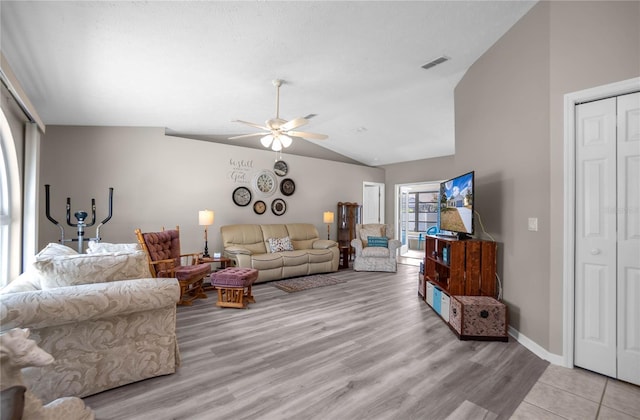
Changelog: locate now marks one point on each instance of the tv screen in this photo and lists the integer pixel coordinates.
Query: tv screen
(456, 205)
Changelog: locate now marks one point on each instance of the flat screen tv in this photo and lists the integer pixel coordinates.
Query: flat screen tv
(456, 206)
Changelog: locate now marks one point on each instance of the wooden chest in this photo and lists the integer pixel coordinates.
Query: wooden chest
(478, 318)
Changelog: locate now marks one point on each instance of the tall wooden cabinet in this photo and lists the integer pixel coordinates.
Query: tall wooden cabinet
(349, 215)
(461, 267)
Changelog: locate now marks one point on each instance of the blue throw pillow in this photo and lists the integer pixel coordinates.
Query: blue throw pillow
(378, 241)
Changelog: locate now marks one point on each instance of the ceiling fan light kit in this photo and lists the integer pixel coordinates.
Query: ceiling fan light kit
(277, 132)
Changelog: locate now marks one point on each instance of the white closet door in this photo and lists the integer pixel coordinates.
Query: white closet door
(628, 212)
(595, 271)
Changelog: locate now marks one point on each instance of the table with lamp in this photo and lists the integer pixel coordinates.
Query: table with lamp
(205, 218)
(328, 218)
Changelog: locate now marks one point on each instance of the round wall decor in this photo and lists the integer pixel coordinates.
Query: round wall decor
(259, 207)
(278, 206)
(241, 196)
(280, 168)
(265, 182)
(287, 186)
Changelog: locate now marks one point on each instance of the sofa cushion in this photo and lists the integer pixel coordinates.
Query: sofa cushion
(292, 258)
(303, 235)
(70, 270)
(375, 251)
(54, 250)
(280, 244)
(319, 255)
(266, 261)
(248, 237)
(28, 281)
(379, 241)
(372, 230)
(105, 247)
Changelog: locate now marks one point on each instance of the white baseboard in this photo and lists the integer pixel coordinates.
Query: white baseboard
(536, 349)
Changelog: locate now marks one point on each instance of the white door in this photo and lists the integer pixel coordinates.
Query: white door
(607, 272)
(595, 282)
(628, 211)
(372, 203)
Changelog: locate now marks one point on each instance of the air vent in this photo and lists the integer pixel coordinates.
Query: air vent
(435, 62)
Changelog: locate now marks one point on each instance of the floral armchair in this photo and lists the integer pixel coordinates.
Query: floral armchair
(375, 248)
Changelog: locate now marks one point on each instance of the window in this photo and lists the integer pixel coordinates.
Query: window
(422, 211)
(10, 215)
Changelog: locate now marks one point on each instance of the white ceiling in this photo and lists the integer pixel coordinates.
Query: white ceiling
(193, 67)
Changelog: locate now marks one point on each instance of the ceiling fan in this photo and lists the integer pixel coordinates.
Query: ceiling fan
(276, 131)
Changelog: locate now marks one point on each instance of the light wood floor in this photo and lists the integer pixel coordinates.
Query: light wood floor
(365, 349)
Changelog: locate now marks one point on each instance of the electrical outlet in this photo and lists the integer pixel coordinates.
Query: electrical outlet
(533, 224)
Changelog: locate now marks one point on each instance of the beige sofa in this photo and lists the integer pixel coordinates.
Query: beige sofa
(101, 316)
(279, 251)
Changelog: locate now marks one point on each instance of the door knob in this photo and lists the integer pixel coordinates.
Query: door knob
(595, 251)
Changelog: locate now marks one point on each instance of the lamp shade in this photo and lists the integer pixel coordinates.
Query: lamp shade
(205, 217)
(327, 216)
(266, 140)
(285, 140)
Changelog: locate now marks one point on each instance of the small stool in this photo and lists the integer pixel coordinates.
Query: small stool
(234, 286)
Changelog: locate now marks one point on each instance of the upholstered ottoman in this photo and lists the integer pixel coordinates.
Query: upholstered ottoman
(234, 286)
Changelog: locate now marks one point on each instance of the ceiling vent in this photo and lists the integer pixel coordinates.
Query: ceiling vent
(435, 62)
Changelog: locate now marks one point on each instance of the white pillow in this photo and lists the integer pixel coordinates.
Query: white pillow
(280, 244)
(28, 281)
(55, 250)
(71, 270)
(106, 248)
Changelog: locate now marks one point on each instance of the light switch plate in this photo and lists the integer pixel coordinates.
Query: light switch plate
(533, 224)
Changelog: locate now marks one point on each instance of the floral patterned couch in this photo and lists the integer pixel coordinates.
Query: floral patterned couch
(101, 316)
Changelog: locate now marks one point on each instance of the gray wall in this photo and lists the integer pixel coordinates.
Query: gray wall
(161, 181)
(509, 129)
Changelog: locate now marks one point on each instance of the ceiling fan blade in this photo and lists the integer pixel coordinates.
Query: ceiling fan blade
(262, 127)
(246, 136)
(306, 135)
(294, 123)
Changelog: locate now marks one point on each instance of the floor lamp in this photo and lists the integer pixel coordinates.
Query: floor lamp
(328, 219)
(205, 218)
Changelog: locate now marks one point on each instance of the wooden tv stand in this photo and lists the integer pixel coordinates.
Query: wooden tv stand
(469, 268)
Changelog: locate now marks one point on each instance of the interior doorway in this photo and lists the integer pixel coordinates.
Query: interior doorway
(416, 211)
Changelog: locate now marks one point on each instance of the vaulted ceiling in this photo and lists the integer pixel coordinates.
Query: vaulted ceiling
(194, 66)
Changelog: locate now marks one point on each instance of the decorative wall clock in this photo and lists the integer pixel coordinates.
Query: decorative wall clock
(265, 183)
(278, 206)
(259, 207)
(280, 168)
(287, 186)
(241, 196)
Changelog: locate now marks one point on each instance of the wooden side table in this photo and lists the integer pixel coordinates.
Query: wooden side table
(344, 256)
(224, 263)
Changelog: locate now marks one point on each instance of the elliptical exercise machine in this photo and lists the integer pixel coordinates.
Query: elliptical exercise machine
(81, 217)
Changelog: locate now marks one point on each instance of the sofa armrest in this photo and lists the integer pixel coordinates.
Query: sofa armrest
(357, 245)
(324, 244)
(72, 304)
(394, 244)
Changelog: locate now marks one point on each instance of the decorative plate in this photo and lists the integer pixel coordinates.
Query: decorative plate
(241, 196)
(278, 206)
(287, 186)
(281, 168)
(265, 182)
(259, 207)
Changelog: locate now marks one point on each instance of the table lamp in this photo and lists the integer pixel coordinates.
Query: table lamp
(328, 219)
(205, 218)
